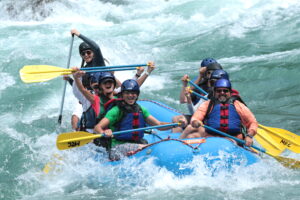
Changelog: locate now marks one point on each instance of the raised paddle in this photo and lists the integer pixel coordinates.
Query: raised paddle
(65, 85)
(287, 162)
(199, 95)
(40, 73)
(197, 87)
(80, 138)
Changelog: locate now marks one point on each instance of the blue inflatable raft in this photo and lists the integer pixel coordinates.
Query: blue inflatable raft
(169, 152)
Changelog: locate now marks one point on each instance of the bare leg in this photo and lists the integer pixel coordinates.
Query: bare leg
(191, 132)
(176, 119)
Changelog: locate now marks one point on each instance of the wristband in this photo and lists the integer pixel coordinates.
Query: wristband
(137, 75)
(250, 136)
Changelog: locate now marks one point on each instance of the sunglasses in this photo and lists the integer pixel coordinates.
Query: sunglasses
(222, 90)
(88, 52)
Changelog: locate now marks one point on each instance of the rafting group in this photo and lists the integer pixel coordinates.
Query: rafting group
(109, 105)
(109, 109)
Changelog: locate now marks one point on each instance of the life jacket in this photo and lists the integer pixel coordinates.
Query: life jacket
(223, 117)
(235, 95)
(132, 118)
(103, 110)
(89, 117)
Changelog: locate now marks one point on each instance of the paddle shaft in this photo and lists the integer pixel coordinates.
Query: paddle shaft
(199, 95)
(65, 85)
(145, 128)
(77, 139)
(232, 137)
(111, 67)
(91, 136)
(197, 87)
(107, 70)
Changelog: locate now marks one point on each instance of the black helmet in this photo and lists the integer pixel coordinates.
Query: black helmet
(84, 46)
(107, 76)
(214, 66)
(130, 85)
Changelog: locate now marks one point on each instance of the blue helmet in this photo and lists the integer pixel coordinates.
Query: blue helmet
(207, 61)
(130, 85)
(94, 77)
(106, 76)
(222, 83)
(218, 74)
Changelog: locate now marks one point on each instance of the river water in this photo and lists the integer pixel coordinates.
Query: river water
(256, 41)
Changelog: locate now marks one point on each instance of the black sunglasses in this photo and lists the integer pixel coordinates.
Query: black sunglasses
(88, 52)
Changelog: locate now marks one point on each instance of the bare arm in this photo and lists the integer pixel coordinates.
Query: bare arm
(151, 67)
(74, 122)
(182, 97)
(101, 126)
(154, 122)
(80, 86)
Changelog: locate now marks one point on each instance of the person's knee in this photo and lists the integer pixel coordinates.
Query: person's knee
(176, 119)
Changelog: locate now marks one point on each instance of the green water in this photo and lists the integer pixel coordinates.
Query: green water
(255, 41)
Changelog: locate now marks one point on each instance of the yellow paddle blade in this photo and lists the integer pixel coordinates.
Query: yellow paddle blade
(268, 143)
(52, 165)
(39, 69)
(74, 139)
(41, 73)
(287, 162)
(287, 135)
(284, 137)
(36, 78)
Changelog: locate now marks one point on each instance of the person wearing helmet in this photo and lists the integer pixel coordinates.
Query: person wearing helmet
(89, 51)
(223, 113)
(91, 56)
(126, 114)
(103, 85)
(207, 66)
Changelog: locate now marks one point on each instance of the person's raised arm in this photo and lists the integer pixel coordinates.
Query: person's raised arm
(150, 68)
(77, 77)
(98, 57)
(182, 97)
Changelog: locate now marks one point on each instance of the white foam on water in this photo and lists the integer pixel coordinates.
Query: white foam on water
(6, 81)
(129, 33)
